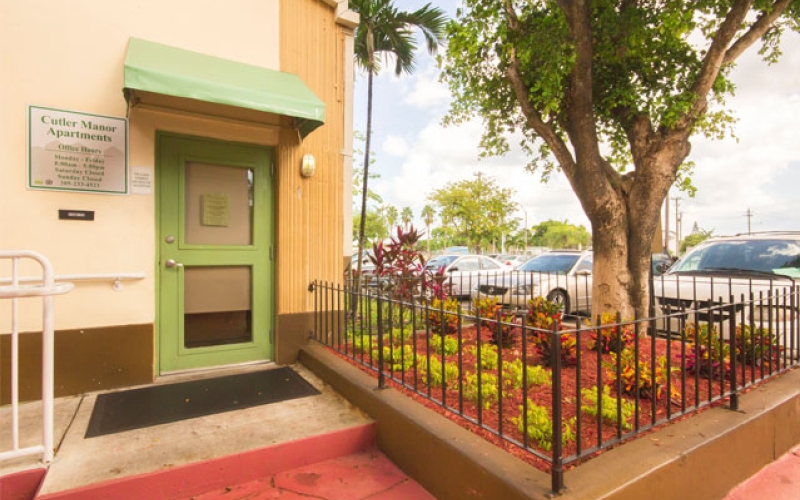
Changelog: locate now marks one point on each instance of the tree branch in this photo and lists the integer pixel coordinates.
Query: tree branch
(764, 22)
(532, 116)
(714, 59)
(582, 127)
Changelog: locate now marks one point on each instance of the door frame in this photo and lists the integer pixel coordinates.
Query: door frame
(263, 219)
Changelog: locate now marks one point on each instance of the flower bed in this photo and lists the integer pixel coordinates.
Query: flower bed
(443, 373)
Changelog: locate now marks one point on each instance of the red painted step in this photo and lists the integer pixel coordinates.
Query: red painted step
(198, 478)
(357, 476)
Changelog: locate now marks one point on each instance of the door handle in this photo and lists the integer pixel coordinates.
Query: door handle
(172, 263)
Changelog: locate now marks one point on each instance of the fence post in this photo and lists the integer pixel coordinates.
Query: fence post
(733, 345)
(381, 376)
(312, 288)
(557, 470)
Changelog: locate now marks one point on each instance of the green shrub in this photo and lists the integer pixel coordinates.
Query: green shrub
(543, 314)
(487, 390)
(609, 406)
(402, 335)
(443, 317)
(645, 386)
(608, 336)
(540, 426)
(542, 344)
(756, 346)
(399, 358)
(488, 356)
(434, 378)
(486, 308)
(449, 344)
(537, 375)
(706, 354)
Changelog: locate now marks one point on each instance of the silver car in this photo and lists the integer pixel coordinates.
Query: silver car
(758, 271)
(462, 272)
(562, 276)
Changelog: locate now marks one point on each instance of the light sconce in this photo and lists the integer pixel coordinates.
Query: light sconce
(308, 166)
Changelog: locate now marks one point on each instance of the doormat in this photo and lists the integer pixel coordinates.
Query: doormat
(160, 404)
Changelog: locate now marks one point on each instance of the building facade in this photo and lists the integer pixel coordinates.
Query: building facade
(187, 165)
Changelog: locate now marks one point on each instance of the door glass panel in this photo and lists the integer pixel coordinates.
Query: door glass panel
(217, 307)
(219, 205)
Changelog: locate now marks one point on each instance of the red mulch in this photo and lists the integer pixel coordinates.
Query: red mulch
(686, 395)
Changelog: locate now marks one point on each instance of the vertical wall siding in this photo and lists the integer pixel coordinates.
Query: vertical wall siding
(310, 212)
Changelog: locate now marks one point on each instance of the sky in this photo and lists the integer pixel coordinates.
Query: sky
(756, 173)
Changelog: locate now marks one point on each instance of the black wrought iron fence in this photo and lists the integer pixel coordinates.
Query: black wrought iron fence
(563, 391)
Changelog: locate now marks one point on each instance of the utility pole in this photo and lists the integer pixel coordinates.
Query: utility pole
(525, 251)
(676, 199)
(666, 225)
(749, 215)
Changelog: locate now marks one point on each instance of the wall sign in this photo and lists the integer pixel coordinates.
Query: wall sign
(73, 151)
(75, 214)
(141, 180)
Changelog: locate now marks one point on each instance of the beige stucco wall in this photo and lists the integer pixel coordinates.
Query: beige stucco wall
(69, 55)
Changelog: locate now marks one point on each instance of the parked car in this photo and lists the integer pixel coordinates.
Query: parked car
(462, 272)
(563, 276)
(512, 261)
(660, 263)
(759, 264)
(367, 267)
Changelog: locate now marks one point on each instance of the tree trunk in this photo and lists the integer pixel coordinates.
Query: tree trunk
(361, 226)
(623, 228)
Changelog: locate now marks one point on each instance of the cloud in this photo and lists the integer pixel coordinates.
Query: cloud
(395, 146)
(426, 92)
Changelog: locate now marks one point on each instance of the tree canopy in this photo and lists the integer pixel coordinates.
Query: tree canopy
(610, 93)
(695, 238)
(477, 211)
(375, 228)
(560, 234)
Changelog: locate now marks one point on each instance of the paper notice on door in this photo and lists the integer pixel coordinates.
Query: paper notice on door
(216, 209)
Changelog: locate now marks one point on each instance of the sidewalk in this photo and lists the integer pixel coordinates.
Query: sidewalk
(779, 480)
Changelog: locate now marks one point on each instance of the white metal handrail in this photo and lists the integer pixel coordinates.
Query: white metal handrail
(115, 278)
(16, 291)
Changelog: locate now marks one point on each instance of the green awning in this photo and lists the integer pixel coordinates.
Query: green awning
(161, 69)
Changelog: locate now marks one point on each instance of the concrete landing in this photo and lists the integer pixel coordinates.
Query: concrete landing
(779, 480)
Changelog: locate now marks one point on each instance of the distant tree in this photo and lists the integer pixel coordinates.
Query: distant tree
(517, 240)
(427, 215)
(374, 226)
(477, 210)
(382, 31)
(406, 215)
(443, 237)
(695, 238)
(557, 234)
(391, 218)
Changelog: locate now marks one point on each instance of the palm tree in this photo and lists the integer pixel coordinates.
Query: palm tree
(391, 218)
(382, 31)
(406, 215)
(427, 214)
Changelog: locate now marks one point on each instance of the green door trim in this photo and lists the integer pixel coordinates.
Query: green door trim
(172, 153)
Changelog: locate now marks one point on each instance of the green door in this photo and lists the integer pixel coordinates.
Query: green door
(215, 213)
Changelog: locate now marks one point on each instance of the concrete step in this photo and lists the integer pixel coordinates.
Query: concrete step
(186, 481)
(368, 474)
